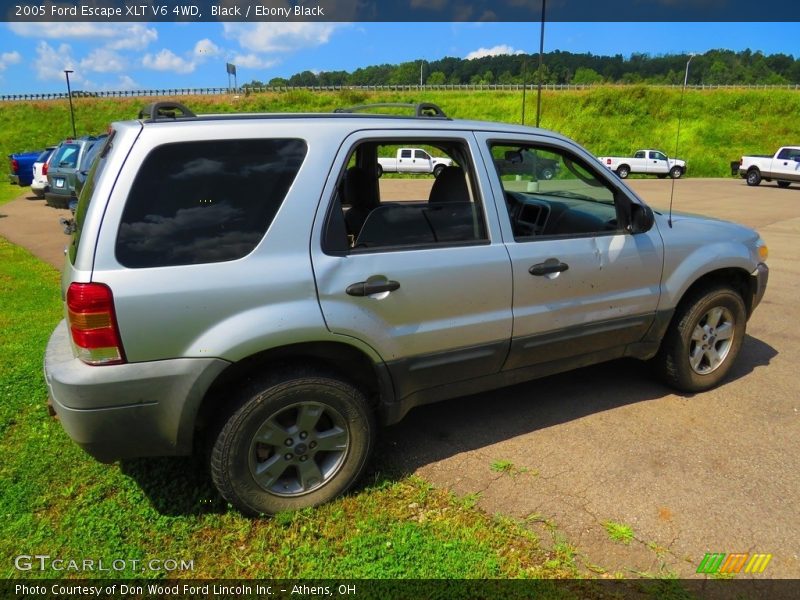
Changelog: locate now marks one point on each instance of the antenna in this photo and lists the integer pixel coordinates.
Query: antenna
(678, 136)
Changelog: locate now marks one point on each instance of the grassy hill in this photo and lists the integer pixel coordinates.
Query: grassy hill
(718, 125)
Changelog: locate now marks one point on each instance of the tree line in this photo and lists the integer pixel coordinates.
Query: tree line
(715, 67)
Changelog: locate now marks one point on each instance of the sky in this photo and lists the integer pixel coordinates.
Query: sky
(124, 56)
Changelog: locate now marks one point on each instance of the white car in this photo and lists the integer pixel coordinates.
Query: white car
(39, 184)
(647, 162)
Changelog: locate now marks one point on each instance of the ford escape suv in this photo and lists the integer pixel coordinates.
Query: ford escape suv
(247, 285)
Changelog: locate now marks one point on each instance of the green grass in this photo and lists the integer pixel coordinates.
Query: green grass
(618, 532)
(58, 501)
(718, 126)
(8, 192)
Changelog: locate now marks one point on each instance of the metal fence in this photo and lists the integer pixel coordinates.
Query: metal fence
(210, 91)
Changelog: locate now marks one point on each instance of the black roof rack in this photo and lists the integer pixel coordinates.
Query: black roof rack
(421, 109)
(159, 111)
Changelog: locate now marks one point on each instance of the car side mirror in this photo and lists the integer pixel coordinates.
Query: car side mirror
(642, 218)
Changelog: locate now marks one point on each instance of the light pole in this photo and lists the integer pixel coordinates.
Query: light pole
(71, 110)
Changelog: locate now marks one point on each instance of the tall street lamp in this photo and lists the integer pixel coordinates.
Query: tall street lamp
(71, 110)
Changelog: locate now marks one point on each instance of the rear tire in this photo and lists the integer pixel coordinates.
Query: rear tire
(293, 441)
(623, 171)
(703, 340)
(784, 184)
(676, 172)
(753, 177)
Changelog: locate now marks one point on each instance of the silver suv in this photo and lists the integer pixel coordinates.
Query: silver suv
(248, 285)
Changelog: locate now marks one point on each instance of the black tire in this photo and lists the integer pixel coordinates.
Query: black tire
(295, 415)
(684, 343)
(379, 170)
(437, 170)
(753, 177)
(547, 173)
(623, 171)
(784, 184)
(675, 172)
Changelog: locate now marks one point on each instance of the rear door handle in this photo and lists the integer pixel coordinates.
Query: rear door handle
(367, 288)
(551, 265)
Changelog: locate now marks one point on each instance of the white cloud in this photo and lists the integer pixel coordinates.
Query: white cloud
(9, 58)
(205, 48)
(117, 36)
(103, 60)
(51, 62)
(166, 60)
(279, 37)
(253, 61)
(493, 51)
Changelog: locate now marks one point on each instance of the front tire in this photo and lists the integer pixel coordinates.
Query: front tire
(623, 171)
(753, 177)
(703, 340)
(294, 441)
(676, 172)
(437, 170)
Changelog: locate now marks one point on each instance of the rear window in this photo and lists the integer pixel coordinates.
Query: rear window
(204, 202)
(67, 156)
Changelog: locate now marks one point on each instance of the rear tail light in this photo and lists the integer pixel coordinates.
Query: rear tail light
(14, 165)
(608, 161)
(93, 324)
(44, 169)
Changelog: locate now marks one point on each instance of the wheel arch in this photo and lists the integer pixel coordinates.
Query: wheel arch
(338, 358)
(734, 277)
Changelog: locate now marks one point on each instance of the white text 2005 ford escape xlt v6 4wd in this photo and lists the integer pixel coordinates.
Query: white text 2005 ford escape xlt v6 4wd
(244, 281)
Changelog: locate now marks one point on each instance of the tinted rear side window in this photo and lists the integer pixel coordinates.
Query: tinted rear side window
(204, 202)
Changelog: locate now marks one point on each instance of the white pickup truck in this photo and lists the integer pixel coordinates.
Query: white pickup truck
(784, 167)
(413, 160)
(647, 162)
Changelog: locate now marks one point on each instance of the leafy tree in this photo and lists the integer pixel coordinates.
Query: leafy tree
(585, 75)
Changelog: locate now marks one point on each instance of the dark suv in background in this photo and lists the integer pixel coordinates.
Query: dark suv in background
(71, 157)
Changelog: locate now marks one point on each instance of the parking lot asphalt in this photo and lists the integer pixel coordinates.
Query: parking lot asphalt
(568, 454)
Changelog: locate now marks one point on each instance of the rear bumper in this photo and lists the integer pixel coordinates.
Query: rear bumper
(131, 410)
(13, 179)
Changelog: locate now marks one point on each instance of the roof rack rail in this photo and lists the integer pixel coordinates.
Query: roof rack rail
(421, 109)
(159, 111)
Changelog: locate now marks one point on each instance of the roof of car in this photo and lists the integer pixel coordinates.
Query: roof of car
(166, 113)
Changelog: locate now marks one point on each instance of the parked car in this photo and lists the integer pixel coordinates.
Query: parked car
(277, 333)
(21, 166)
(39, 184)
(413, 160)
(783, 167)
(63, 167)
(648, 162)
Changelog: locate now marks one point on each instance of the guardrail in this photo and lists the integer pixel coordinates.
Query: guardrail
(210, 91)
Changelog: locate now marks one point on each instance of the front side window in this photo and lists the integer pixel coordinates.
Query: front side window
(550, 192)
(409, 209)
(658, 156)
(205, 202)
